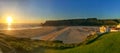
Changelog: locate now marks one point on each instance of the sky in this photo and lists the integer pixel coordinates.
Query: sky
(41, 10)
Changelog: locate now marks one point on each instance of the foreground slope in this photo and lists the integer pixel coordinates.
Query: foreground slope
(107, 43)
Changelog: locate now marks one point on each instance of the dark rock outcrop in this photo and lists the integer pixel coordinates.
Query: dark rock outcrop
(81, 22)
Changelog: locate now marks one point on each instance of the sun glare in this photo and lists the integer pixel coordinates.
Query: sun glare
(9, 20)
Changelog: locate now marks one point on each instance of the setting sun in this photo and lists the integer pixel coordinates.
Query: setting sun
(9, 20)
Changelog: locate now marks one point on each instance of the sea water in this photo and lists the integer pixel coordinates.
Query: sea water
(19, 26)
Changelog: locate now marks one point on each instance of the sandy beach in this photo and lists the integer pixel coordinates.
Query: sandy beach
(73, 34)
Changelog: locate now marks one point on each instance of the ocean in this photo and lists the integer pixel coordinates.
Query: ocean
(19, 26)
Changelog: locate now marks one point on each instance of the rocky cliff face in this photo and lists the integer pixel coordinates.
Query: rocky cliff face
(81, 22)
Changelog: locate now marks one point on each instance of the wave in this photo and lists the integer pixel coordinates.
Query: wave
(20, 28)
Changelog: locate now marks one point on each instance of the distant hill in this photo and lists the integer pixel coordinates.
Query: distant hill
(82, 22)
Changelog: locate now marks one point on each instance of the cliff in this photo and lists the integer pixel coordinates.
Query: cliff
(81, 22)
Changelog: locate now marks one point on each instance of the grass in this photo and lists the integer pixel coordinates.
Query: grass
(107, 43)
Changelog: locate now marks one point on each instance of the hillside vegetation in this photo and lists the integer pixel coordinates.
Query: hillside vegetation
(82, 22)
(108, 43)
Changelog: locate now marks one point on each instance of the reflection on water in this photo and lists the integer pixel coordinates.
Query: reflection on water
(19, 26)
(9, 27)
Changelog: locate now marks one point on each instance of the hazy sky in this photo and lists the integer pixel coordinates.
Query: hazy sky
(59, 9)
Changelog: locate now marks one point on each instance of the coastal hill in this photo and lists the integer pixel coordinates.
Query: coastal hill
(82, 22)
(107, 43)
